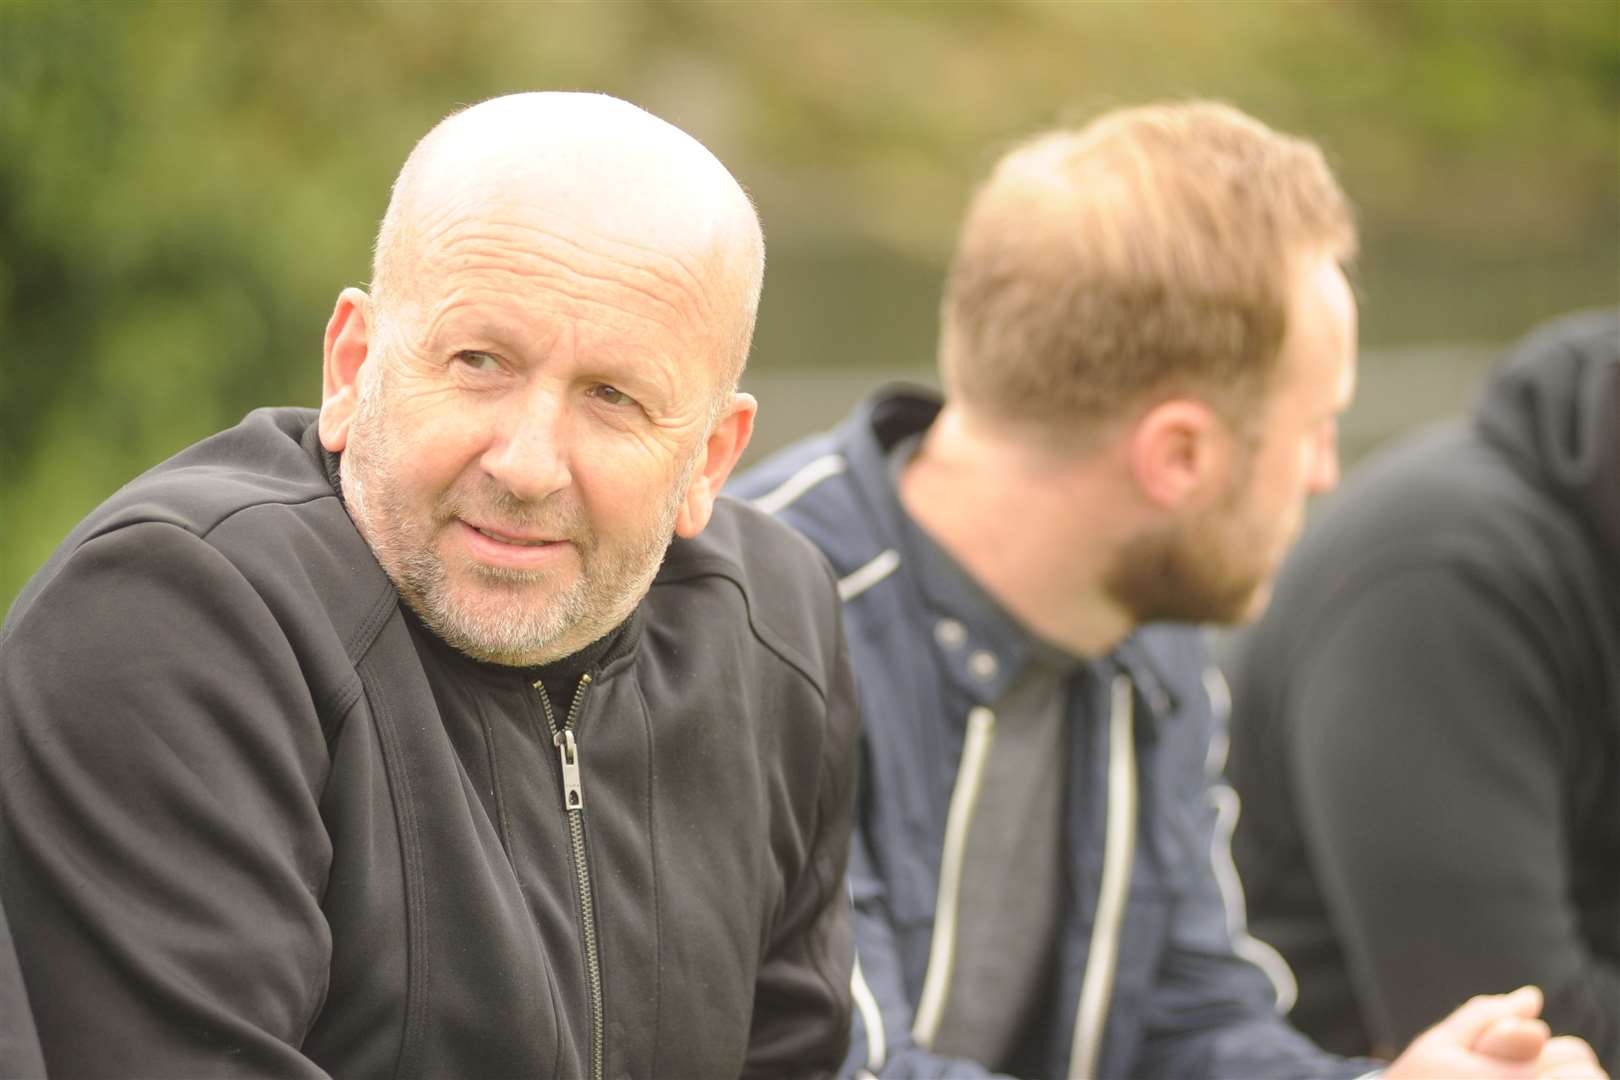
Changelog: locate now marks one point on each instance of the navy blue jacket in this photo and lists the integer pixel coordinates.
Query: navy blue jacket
(1187, 996)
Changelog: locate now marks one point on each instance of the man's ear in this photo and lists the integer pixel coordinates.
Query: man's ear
(348, 344)
(1179, 453)
(720, 452)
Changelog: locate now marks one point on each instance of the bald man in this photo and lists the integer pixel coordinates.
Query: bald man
(399, 739)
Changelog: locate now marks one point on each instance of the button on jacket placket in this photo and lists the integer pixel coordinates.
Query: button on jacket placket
(574, 806)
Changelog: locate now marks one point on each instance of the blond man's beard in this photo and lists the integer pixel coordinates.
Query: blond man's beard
(1198, 569)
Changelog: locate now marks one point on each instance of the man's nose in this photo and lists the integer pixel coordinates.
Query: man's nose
(528, 454)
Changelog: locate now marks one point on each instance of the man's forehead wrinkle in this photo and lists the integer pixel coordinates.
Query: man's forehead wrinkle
(463, 297)
(467, 296)
(426, 225)
(475, 322)
(634, 249)
(498, 248)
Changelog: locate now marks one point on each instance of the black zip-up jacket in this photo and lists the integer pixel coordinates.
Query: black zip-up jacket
(19, 1046)
(242, 837)
(1426, 724)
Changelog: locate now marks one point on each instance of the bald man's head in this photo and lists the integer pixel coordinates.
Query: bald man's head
(585, 165)
(540, 393)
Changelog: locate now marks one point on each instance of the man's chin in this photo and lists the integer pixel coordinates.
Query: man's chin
(481, 581)
(1255, 606)
(495, 636)
(504, 622)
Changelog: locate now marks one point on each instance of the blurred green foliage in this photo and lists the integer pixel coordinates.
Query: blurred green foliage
(184, 187)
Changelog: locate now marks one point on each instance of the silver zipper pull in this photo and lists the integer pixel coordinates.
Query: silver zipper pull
(573, 798)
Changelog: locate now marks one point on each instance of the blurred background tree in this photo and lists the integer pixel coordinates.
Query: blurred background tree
(184, 187)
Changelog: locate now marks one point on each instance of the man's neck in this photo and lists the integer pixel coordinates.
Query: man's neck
(561, 677)
(1035, 532)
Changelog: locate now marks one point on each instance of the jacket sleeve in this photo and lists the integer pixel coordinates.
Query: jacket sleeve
(19, 1045)
(1435, 745)
(800, 1024)
(162, 855)
(1213, 1012)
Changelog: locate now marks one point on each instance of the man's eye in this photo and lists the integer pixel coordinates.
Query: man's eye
(478, 361)
(611, 394)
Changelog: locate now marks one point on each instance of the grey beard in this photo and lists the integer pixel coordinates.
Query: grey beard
(582, 613)
(601, 597)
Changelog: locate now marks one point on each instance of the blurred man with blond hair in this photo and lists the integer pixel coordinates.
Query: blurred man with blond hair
(1146, 338)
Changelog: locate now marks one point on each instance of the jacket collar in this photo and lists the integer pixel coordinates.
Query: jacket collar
(981, 646)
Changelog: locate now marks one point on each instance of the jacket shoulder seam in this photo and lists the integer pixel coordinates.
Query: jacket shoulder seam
(334, 709)
(761, 632)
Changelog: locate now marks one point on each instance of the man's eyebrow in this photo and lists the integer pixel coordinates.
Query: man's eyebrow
(454, 328)
(487, 329)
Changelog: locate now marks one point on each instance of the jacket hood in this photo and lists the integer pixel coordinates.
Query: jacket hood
(1553, 405)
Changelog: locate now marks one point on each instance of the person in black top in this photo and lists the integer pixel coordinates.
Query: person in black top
(19, 1045)
(1426, 723)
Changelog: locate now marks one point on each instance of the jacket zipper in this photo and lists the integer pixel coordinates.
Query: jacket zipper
(573, 805)
(1119, 851)
(981, 728)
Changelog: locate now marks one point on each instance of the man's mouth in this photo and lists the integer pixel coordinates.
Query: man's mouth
(516, 541)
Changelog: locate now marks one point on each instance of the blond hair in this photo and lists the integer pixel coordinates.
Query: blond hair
(1146, 254)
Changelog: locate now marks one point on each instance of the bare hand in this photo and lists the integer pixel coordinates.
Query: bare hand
(1569, 1058)
(1496, 1037)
